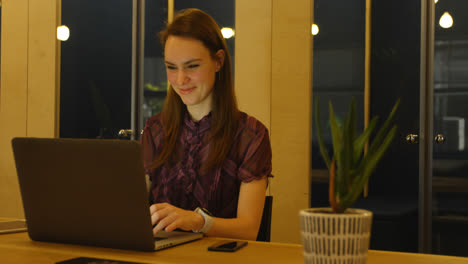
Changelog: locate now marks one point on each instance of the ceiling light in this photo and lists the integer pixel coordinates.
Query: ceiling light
(63, 33)
(227, 32)
(315, 29)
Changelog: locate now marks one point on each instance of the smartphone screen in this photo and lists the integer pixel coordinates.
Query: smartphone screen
(227, 246)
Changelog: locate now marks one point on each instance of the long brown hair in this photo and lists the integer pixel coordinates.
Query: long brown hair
(196, 24)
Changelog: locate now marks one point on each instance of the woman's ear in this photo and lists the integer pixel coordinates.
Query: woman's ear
(220, 54)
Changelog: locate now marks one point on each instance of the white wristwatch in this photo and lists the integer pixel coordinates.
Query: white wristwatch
(208, 220)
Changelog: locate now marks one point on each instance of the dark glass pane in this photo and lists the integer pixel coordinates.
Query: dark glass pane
(338, 75)
(338, 64)
(96, 66)
(155, 83)
(395, 72)
(450, 163)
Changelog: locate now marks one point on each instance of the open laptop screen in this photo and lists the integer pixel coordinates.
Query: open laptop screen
(84, 191)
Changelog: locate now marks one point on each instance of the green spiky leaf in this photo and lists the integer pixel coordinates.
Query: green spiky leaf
(352, 168)
(323, 149)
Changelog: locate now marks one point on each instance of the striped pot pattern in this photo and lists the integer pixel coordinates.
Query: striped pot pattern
(329, 238)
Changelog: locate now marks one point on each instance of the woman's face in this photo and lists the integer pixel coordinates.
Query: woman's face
(191, 71)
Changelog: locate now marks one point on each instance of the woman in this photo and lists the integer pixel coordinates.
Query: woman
(208, 162)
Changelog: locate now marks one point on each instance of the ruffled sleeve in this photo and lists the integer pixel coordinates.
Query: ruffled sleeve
(256, 162)
(151, 141)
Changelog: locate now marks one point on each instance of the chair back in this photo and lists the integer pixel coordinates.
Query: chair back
(265, 226)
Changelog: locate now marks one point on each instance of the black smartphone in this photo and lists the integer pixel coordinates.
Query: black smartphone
(227, 246)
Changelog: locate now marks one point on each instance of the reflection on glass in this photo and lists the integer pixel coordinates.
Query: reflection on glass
(446, 20)
(338, 68)
(450, 157)
(155, 83)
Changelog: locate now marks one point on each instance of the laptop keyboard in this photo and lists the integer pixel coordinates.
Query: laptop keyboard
(159, 238)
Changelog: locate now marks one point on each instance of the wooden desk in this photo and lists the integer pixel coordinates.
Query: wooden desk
(18, 248)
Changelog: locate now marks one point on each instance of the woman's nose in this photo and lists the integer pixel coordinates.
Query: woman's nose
(182, 77)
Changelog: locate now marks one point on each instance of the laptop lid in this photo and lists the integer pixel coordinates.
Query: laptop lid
(85, 191)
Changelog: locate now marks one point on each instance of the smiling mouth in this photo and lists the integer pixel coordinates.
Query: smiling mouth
(186, 91)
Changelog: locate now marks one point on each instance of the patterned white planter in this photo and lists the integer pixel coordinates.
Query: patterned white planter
(329, 238)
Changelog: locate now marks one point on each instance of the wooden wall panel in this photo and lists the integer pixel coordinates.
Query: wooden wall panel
(253, 58)
(13, 99)
(28, 85)
(291, 114)
(42, 87)
(273, 83)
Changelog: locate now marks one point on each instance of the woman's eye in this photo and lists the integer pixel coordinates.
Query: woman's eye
(169, 67)
(191, 66)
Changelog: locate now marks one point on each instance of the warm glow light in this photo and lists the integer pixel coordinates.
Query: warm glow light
(446, 20)
(227, 32)
(435, 1)
(315, 29)
(63, 33)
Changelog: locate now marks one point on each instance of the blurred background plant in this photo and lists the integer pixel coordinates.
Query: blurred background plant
(156, 88)
(153, 99)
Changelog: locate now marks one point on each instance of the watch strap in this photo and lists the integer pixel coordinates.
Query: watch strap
(207, 218)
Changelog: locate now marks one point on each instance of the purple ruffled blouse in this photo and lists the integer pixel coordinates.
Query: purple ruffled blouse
(183, 185)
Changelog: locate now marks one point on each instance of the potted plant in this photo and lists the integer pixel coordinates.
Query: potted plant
(340, 234)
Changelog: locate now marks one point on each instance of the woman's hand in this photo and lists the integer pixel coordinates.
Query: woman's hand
(168, 218)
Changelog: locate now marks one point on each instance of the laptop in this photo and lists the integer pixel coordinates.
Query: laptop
(88, 192)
